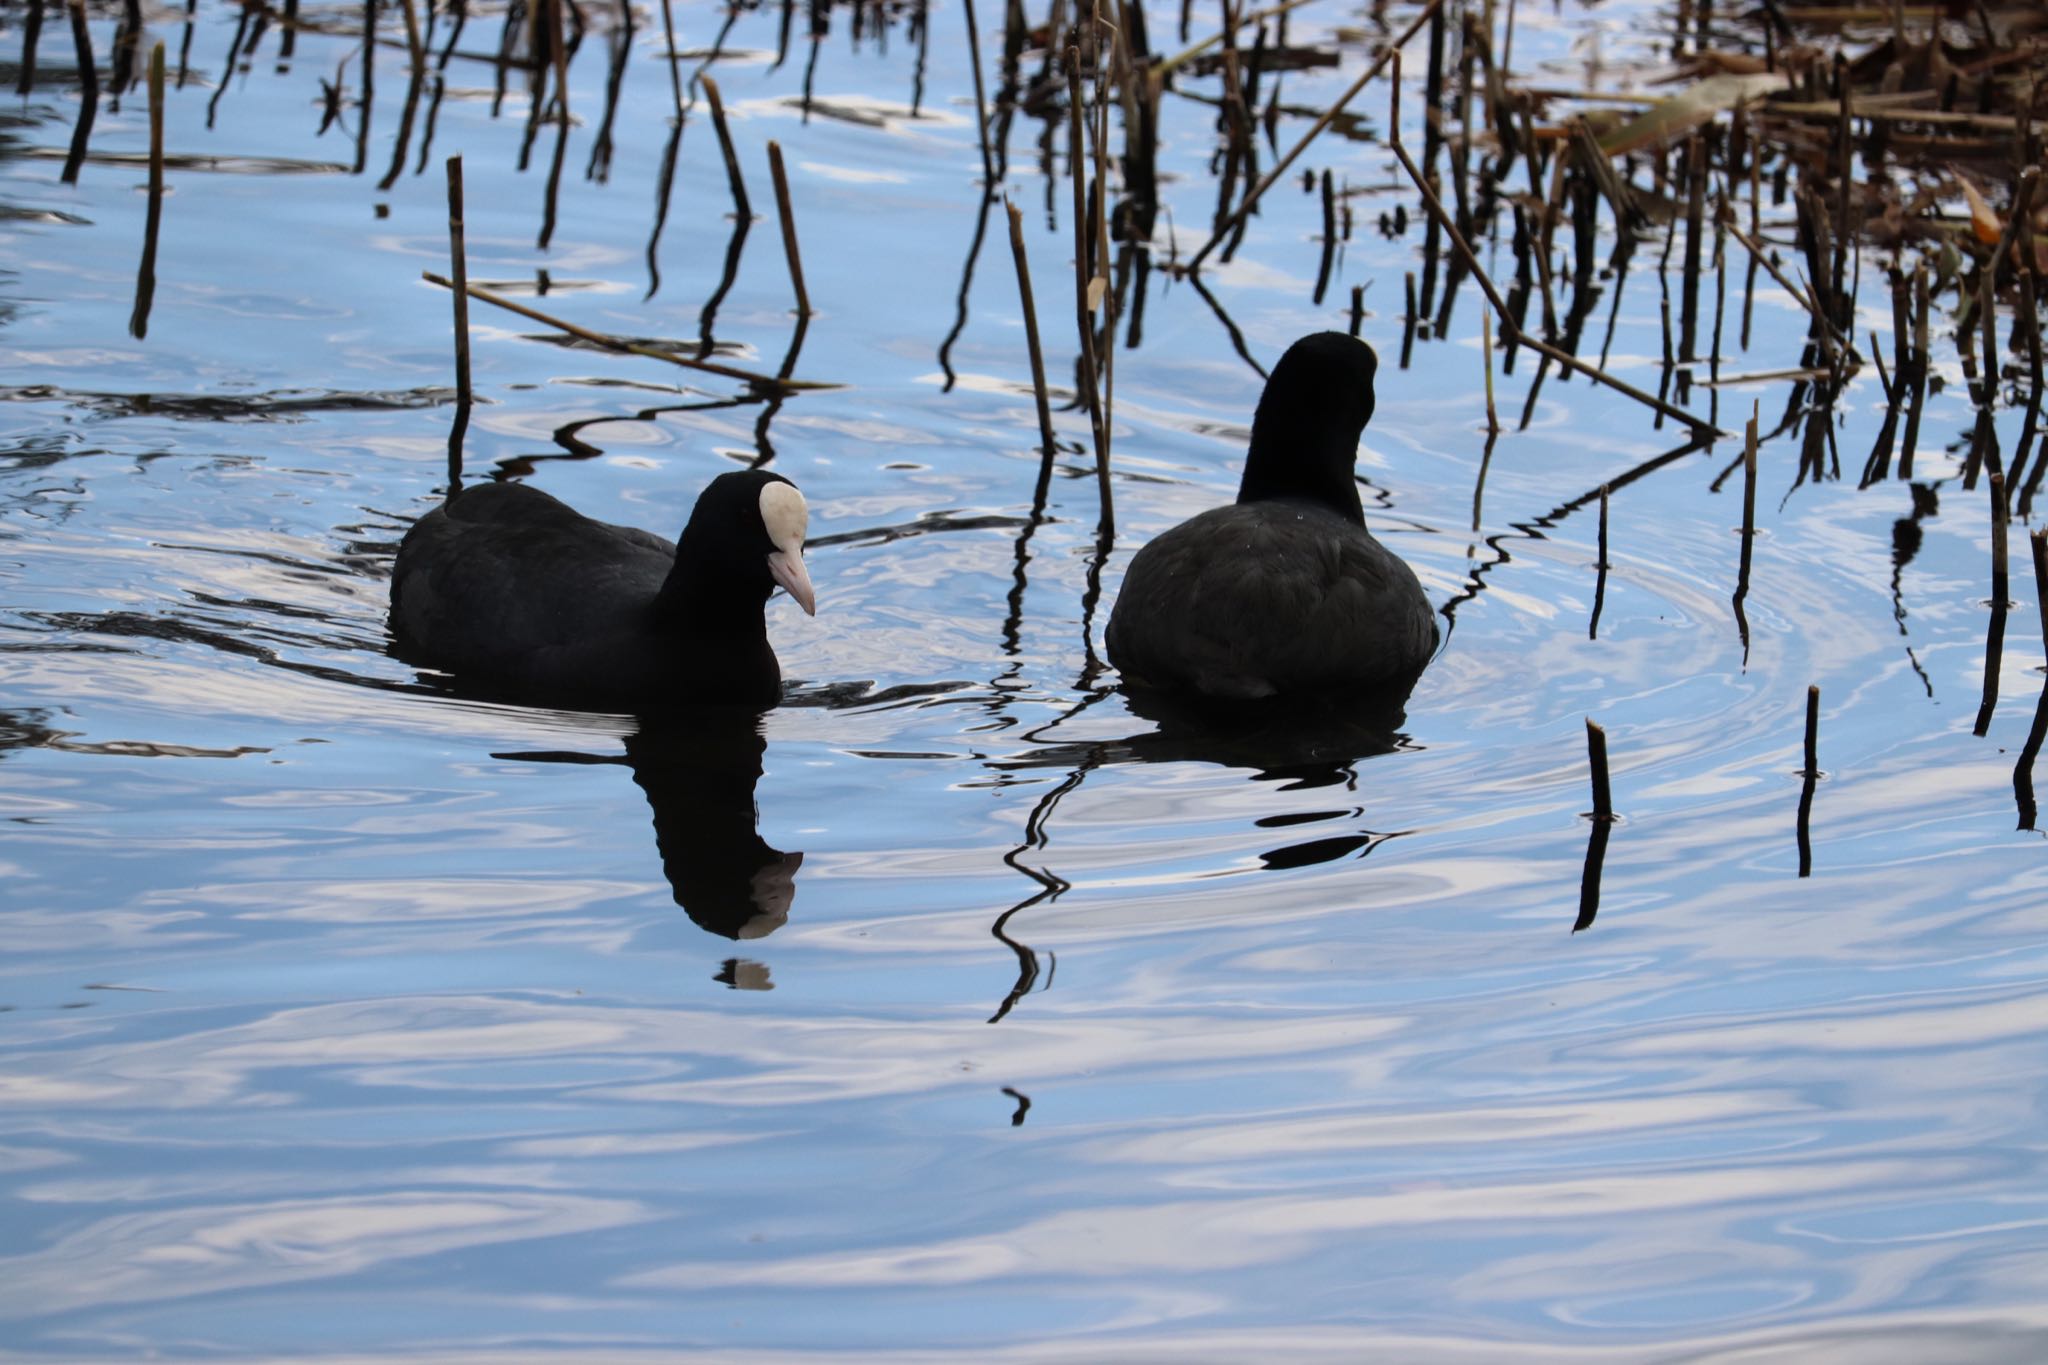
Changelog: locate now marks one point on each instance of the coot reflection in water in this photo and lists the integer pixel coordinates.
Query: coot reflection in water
(1301, 746)
(699, 767)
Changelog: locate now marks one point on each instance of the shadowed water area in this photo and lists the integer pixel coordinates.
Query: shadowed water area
(962, 1007)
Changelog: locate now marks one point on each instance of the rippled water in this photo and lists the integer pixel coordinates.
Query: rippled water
(344, 1017)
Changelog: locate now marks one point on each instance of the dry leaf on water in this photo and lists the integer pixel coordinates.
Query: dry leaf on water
(1668, 120)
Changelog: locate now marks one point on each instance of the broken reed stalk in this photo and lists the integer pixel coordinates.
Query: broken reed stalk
(740, 207)
(1047, 443)
(1994, 637)
(771, 383)
(1600, 570)
(1809, 775)
(1408, 320)
(1749, 439)
(459, 286)
(1512, 333)
(1812, 768)
(145, 275)
(788, 215)
(1391, 52)
(1596, 759)
(1493, 414)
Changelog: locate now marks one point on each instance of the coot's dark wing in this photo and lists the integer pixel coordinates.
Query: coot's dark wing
(1271, 597)
(507, 579)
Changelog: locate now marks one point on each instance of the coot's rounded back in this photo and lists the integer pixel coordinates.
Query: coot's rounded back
(1284, 592)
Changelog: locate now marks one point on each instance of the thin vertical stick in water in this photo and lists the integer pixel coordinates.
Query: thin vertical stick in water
(740, 207)
(1085, 271)
(1408, 320)
(1748, 531)
(145, 277)
(1600, 566)
(413, 46)
(1603, 822)
(1047, 443)
(1994, 638)
(1596, 759)
(1809, 775)
(2030, 319)
(459, 274)
(1919, 389)
(1493, 414)
(782, 207)
(1329, 237)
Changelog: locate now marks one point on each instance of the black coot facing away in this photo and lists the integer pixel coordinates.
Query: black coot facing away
(522, 597)
(1283, 593)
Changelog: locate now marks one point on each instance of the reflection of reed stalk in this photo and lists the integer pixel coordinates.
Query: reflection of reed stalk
(2039, 542)
(1031, 336)
(782, 207)
(675, 76)
(769, 382)
(145, 277)
(988, 171)
(88, 92)
(459, 265)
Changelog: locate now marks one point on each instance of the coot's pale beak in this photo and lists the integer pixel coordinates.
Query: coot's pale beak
(786, 567)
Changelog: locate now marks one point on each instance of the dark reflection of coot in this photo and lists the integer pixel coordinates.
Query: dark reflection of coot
(699, 777)
(1301, 746)
(699, 769)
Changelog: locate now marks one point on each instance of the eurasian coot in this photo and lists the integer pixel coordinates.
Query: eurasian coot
(523, 597)
(1283, 593)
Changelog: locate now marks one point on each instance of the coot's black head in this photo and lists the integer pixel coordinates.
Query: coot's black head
(745, 538)
(1305, 435)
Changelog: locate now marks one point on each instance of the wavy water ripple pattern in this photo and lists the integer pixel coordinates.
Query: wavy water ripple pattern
(962, 1010)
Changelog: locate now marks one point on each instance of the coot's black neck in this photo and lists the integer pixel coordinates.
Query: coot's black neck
(707, 594)
(1295, 455)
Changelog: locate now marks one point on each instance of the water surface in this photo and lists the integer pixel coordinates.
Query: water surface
(348, 1018)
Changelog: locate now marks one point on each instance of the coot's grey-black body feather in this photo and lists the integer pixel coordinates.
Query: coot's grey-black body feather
(517, 593)
(1302, 602)
(1283, 593)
